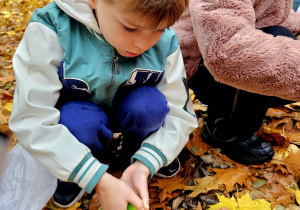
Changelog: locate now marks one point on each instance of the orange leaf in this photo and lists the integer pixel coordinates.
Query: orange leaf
(231, 176)
(279, 112)
(168, 186)
(196, 145)
(293, 164)
(199, 207)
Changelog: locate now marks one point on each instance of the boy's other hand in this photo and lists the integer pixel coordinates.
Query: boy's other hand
(113, 193)
(136, 176)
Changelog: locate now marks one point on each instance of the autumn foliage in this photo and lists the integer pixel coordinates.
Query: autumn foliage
(208, 179)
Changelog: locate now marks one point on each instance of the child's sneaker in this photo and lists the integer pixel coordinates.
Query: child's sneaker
(170, 170)
(67, 194)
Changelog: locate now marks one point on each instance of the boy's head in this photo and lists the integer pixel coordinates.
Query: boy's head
(134, 26)
(155, 11)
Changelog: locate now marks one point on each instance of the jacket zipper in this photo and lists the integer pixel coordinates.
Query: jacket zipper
(115, 65)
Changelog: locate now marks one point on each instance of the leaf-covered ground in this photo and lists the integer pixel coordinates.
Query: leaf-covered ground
(207, 177)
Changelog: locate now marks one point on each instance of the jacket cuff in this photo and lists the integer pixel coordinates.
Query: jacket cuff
(152, 157)
(88, 173)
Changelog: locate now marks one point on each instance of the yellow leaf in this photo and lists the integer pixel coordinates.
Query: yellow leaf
(193, 96)
(74, 207)
(8, 107)
(223, 201)
(244, 203)
(297, 193)
(11, 33)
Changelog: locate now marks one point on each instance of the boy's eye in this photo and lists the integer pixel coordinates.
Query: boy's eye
(161, 30)
(128, 29)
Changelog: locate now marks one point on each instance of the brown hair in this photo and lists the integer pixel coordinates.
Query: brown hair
(155, 11)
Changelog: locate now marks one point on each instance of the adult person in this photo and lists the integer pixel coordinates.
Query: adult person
(249, 62)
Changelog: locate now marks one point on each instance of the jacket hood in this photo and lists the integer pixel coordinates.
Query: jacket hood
(81, 11)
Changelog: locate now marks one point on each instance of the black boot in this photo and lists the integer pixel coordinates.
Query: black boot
(253, 150)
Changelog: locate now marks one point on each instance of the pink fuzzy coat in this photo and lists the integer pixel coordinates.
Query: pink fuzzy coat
(236, 52)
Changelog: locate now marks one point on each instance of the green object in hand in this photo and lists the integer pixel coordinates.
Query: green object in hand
(130, 207)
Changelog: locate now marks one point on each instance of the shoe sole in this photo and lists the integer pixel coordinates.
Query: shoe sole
(78, 197)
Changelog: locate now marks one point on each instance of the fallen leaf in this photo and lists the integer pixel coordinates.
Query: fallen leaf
(259, 183)
(204, 185)
(275, 192)
(278, 112)
(196, 145)
(243, 203)
(199, 207)
(297, 194)
(230, 176)
(168, 186)
(293, 164)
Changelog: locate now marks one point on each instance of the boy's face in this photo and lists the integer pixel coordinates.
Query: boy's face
(125, 31)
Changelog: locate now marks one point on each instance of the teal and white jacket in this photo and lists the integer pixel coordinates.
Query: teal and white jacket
(67, 32)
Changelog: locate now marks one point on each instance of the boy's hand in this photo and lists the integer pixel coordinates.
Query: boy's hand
(136, 175)
(113, 193)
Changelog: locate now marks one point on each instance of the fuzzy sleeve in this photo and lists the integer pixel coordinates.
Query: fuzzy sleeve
(241, 56)
(188, 43)
(292, 22)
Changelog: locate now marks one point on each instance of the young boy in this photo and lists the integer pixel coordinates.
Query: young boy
(85, 69)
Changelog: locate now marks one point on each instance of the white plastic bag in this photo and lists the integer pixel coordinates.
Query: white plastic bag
(25, 184)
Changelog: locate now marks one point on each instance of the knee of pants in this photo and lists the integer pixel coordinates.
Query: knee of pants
(142, 111)
(87, 122)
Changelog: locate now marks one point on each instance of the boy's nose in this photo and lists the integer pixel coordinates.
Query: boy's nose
(144, 42)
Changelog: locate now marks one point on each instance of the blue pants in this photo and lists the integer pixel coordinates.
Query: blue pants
(140, 113)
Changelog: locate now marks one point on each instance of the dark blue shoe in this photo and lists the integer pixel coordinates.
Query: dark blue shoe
(170, 170)
(67, 194)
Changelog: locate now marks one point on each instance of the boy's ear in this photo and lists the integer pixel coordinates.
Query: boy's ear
(93, 3)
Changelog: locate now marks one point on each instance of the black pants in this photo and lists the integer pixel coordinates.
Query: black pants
(236, 113)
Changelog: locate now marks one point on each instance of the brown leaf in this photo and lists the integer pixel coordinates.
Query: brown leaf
(231, 176)
(293, 164)
(286, 123)
(204, 185)
(277, 136)
(94, 204)
(167, 186)
(161, 205)
(278, 112)
(275, 192)
(282, 169)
